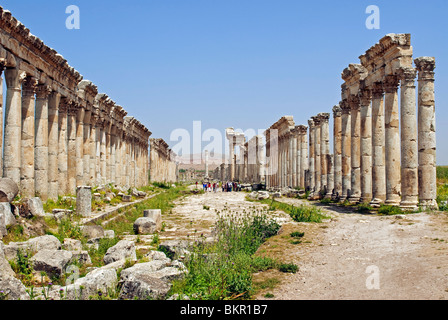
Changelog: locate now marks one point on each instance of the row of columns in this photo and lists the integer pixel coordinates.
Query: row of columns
(59, 133)
(163, 164)
(384, 141)
(286, 154)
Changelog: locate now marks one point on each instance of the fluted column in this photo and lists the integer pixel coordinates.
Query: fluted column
(71, 151)
(2, 68)
(325, 150)
(317, 157)
(231, 156)
(303, 156)
(366, 146)
(41, 142)
(427, 179)
(337, 149)
(378, 152)
(330, 176)
(86, 147)
(103, 163)
(13, 122)
(355, 158)
(92, 151)
(79, 146)
(112, 155)
(311, 158)
(346, 150)
(392, 137)
(27, 138)
(108, 153)
(53, 120)
(409, 136)
(294, 159)
(62, 147)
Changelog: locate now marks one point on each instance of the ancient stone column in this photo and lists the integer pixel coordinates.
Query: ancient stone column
(41, 142)
(86, 147)
(93, 142)
(13, 122)
(337, 149)
(366, 146)
(378, 152)
(427, 179)
(409, 147)
(2, 68)
(346, 150)
(27, 138)
(325, 149)
(294, 159)
(71, 151)
(103, 163)
(113, 154)
(53, 134)
(330, 176)
(392, 141)
(355, 158)
(303, 156)
(206, 163)
(317, 157)
(311, 158)
(231, 158)
(62, 147)
(79, 146)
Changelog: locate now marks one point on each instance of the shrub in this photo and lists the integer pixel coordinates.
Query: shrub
(288, 268)
(297, 234)
(389, 210)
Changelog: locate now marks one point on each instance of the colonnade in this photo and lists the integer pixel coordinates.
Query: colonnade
(163, 164)
(384, 140)
(59, 133)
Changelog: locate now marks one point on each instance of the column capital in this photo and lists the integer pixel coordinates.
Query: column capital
(425, 67)
(391, 83)
(311, 123)
(337, 111)
(324, 117)
(345, 106)
(29, 86)
(377, 90)
(365, 96)
(354, 102)
(72, 108)
(407, 76)
(43, 91)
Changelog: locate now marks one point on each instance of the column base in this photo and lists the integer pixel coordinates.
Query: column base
(354, 199)
(394, 203)
(429, 204)
(409, 205)
(376, 202)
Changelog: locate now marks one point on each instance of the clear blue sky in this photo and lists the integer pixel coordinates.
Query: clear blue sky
(239, 63)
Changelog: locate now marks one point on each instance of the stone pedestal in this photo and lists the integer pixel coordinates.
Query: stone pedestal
(84, 200)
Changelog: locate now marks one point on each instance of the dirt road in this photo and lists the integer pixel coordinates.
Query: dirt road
(350, 256)
(356, 256)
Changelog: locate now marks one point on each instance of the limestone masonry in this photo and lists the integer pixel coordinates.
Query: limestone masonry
(372, 161)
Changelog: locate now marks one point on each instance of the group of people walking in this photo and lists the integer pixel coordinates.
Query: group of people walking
(224, 186)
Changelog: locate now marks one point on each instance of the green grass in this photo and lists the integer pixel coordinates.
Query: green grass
(389, 210)
(163, 201)
(224, 269)
(301, 213)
